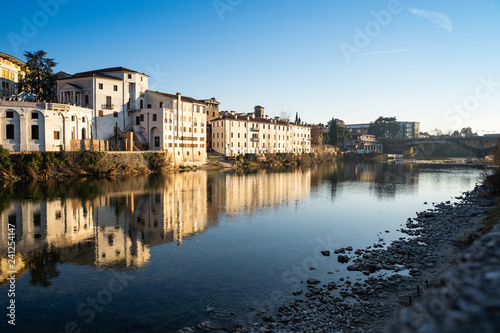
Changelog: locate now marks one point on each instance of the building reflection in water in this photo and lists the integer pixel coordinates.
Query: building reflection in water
(113, 224)
(117, 227)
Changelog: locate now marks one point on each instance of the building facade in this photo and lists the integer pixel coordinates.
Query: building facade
(113, 94)
(409, 129)
(255, 133)
(12, 70)
(175, 124)
(363, 143)
(26, 126)
(358, 128)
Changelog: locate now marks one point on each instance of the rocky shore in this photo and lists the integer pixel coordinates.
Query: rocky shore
(386, 279)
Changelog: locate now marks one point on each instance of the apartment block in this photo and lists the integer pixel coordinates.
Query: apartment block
(175, 124)
(256, 133)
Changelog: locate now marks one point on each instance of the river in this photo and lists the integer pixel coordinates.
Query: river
(158, 253)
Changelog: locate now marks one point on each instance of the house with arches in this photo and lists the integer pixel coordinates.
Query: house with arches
(31, 126)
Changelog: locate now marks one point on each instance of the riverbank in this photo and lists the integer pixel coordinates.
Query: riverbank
(66, 165)
(383, 279)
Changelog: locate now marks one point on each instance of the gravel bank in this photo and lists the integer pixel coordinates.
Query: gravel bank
(409, 265)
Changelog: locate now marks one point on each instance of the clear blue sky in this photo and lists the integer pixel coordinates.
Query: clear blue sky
(418, 62)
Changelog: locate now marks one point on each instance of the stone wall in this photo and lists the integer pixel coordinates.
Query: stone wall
(96, 145)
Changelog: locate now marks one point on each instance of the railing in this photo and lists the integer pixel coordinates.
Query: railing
(57, 106)
(108, 106)
(255, 129)
(255, 139)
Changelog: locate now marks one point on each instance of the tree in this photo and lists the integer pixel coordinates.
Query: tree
(317, 137)
(466, 132)
(285, 115)
(343, 134)
(333, 133)
(384, 127)
(40, 78)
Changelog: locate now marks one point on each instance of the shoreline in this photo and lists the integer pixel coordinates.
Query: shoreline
(43, 167)
(392, 277)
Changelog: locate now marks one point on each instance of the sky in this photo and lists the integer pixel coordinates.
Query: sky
(432, 61)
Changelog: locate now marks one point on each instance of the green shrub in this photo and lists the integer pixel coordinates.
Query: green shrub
(158, 162)
(5, 161)
(89, 160)
(250, 158)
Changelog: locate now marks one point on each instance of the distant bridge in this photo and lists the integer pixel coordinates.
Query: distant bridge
(480, 145)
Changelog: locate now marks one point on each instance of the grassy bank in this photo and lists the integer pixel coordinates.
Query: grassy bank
(280, 159)
(45, 166)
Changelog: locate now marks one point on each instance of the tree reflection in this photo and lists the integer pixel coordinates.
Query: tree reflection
(44, 267)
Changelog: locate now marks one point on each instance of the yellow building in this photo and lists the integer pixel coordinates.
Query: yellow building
(12, 69)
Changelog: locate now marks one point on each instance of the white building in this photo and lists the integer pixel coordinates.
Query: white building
(26, 126)
(113, 94)
(160, 121)
(175, 124)
(12, 69)
(363, 143)
(254, 133)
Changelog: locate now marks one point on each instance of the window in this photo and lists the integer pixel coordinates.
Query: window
(161, 105)
(35, 132)
(86, 99)
(130, 76)
(142, 117)
(56, 135)
(83, 119)
(72, 118)
(34, 115)
(101, 86)
(10, 114)
(115, 114)
(154, 117)
(142, 104)
(101, 113)
(108, 103)
(149, 106)
(10, 132)
(115, 87)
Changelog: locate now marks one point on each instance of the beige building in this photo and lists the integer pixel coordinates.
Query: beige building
(12, 69)
(26, 126)
(255, 133)
(175, 124)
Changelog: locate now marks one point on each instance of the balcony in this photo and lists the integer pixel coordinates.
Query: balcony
(255, 129)
(57, 107)
(108, 106)
(255, 140)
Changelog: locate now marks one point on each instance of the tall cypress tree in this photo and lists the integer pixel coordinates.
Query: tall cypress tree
(333, 133)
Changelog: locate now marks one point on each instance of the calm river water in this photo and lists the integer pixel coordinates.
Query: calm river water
(155, 254)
